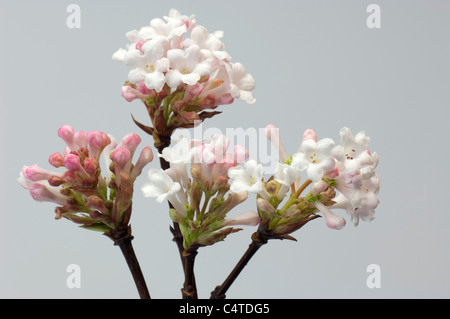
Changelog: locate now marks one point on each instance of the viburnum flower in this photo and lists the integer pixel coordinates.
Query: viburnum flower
(197, 186)
(247, 178)
(315, 158)
(83, 195)
(180, 71)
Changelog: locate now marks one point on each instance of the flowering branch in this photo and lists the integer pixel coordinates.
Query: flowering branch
(328, 168)
(84, 196)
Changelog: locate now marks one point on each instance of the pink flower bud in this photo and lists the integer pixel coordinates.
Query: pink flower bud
(131, 142)
(72, 162)
(145, 157)
(96, 203)
(80, 140)
(309, 134)
(66, 133)
(193, 91)
(91, 166)
(264, 205)
(35, 173)
(319, 187)
(249, 219)
(240, 154)
(273, 135)
(121, 157)
(56, 181)
(332, 221)
(56, 160)
(42, 193)
(131, 94)
(142, 88)
(97, 142)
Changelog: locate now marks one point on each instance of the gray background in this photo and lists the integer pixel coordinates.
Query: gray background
(316, 64)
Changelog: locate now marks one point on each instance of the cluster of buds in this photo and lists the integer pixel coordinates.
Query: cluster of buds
(340, 177)
(83, 195)
(180, 70)
(196, 185)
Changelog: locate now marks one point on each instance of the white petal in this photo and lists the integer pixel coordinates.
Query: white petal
(155, 80)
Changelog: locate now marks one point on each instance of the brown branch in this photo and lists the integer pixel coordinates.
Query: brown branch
(123, 240)
(257, 242)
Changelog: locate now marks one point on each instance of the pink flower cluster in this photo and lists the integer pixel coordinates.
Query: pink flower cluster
(81, 188)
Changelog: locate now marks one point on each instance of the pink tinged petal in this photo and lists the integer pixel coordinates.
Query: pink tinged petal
(24, 182)
(131, 94)
(43, 193)
(332, 221)
(273, 135)
(249, 219)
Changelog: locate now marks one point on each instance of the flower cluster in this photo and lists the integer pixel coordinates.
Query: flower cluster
(179, 70)
(83, 195)
(341, 177)
(196, 185)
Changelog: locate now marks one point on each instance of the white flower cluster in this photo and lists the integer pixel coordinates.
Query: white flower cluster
(176, 50)
(348, 168)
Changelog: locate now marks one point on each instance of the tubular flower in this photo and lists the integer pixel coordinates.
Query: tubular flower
(180, 71)
(83, 195)
(197, 186)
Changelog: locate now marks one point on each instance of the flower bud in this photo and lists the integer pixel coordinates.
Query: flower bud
(56, 160)
(264, 205)
(91, 166)
(42, 193)
(240, 154)
(121, 157)
(97, 142)
(72, 162)
(96, 203)
(145, 157)
(35, 173)
(66, 133)
(273, 134)
(332, 221)
(309, 134)
(250, 218)
(131, 142)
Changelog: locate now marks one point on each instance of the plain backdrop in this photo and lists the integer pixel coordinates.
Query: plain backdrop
(316, 65)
